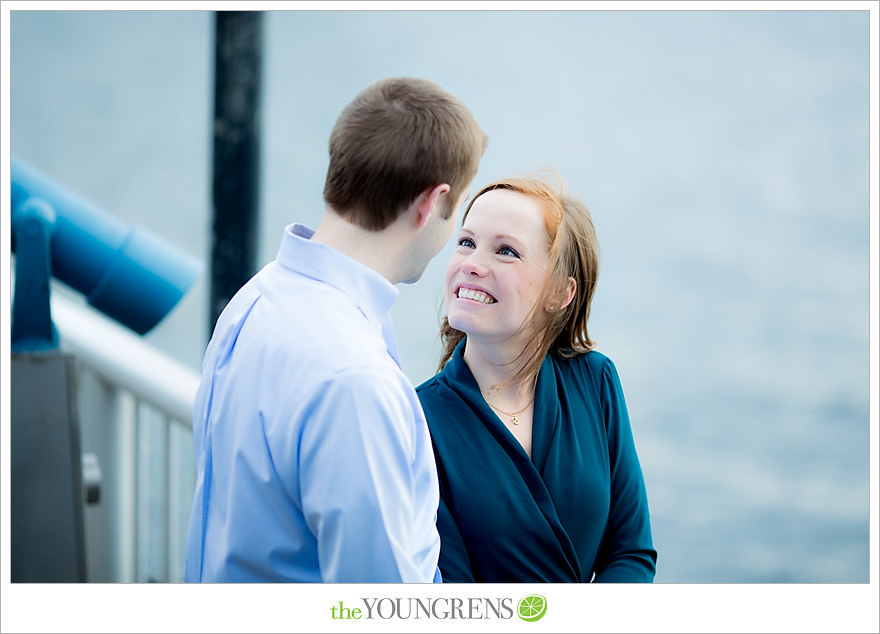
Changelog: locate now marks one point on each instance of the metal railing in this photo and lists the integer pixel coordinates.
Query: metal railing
(134, 405)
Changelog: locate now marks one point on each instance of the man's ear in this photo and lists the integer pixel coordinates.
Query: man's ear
(428, 201)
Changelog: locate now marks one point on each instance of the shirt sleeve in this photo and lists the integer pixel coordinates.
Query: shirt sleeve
(357, 485)
(626, 553)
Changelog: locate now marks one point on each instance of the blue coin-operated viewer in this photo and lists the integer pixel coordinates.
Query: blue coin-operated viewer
(123, 271)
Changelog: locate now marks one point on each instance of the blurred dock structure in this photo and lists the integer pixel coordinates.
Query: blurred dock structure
(102, 472)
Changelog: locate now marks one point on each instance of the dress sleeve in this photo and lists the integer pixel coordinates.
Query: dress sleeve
(627, 553)
(357, 485)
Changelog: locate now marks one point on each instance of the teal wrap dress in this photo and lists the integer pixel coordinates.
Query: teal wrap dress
(576, 511)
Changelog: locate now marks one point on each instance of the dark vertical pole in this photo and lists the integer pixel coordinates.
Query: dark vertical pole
(236, 173)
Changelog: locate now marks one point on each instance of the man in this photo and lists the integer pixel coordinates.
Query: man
(313, 456)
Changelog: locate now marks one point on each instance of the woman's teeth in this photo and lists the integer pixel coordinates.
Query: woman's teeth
(477, 296)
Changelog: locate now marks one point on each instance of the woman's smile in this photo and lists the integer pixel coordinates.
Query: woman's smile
(474, 294)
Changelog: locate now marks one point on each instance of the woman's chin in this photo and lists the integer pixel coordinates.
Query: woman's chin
(459, 323)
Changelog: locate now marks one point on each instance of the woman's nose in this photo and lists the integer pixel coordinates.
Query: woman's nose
(473, 265)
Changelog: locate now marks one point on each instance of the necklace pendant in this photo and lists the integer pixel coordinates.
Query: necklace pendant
(514, 420)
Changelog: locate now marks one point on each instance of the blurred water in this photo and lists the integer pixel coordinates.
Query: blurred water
(724, 156)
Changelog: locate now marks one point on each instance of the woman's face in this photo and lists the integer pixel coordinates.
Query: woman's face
(499, 266)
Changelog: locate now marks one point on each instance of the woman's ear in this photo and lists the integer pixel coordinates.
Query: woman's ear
(563, 298)
(569, 292)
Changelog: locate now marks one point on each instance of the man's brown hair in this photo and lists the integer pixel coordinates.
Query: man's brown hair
(397, 138)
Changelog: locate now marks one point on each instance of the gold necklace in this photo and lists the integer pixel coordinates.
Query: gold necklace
(513, 415)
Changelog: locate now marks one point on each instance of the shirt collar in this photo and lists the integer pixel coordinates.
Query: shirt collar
(369, 290)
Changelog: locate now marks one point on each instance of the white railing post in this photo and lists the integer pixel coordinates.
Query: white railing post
(165, 494)
(128, 466)
(177, 502)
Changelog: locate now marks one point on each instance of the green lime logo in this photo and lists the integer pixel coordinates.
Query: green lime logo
(532, 607)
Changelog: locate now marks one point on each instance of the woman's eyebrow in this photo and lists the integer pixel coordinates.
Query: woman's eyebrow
(504, 236)
(499, 237)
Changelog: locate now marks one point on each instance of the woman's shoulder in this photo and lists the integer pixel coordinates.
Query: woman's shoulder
(428, 386)
(591, 371)
(446, 410)
(593, 362)
(433, 391)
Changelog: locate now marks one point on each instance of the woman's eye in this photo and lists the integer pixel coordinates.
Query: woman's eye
(466, 242)
(508, 252)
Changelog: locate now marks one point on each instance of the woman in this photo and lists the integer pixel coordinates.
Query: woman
(539, 477)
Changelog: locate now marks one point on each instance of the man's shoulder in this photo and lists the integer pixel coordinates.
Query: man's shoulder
(316, 323)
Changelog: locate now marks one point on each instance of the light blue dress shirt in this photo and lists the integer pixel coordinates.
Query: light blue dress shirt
(313, 457)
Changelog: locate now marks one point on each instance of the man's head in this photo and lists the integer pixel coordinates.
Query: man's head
(398, 138)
